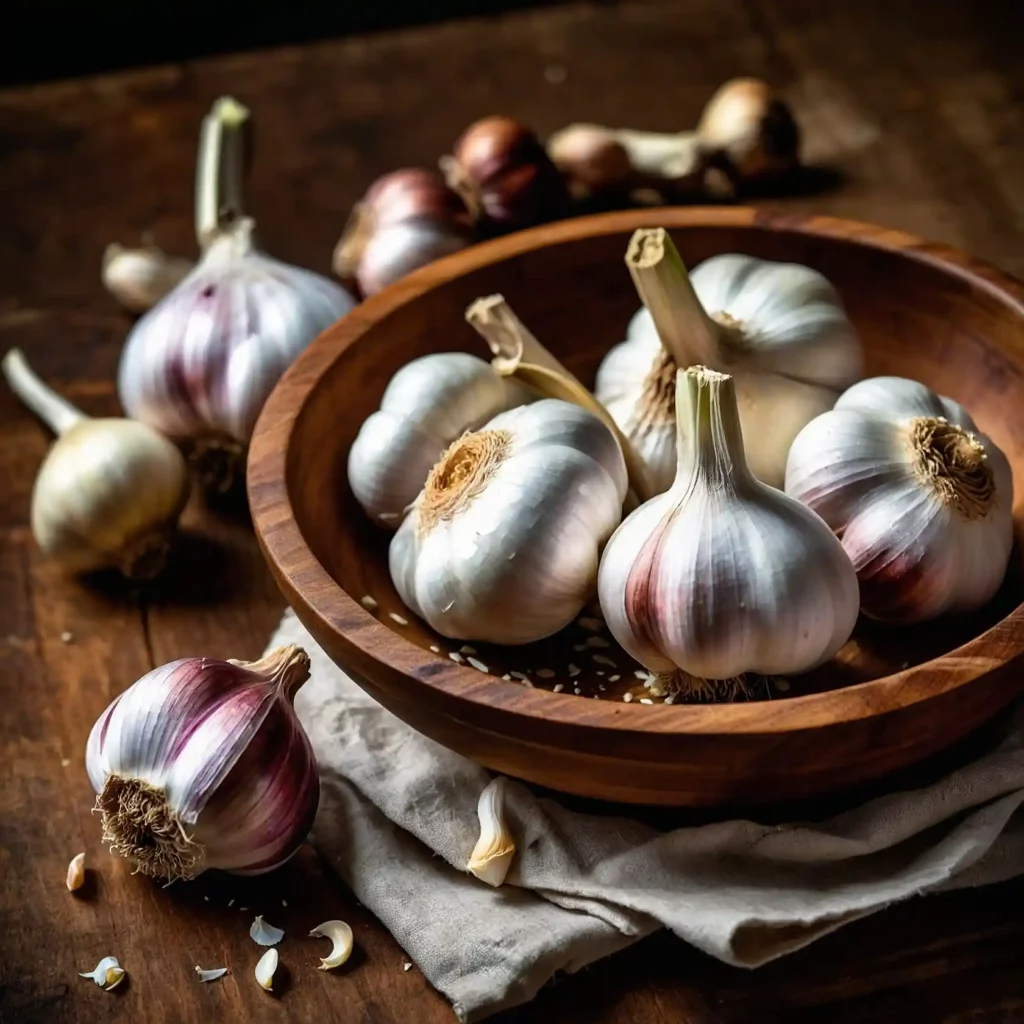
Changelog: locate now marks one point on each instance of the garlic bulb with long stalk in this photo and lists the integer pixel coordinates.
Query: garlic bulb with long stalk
(502, 543)
(201, 363)
(722, 575)
(427, 405)
(778, 328)
(921, 500)
(110, 490)
(203, 764)
(140, 278)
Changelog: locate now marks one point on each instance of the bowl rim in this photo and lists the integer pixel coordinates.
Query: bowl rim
(316, 596)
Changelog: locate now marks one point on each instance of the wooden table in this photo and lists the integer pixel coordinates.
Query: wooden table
(918, 105)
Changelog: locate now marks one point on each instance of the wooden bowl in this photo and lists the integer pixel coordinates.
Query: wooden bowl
(892, 696)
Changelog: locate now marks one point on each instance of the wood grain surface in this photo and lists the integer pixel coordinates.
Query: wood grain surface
(923, 116)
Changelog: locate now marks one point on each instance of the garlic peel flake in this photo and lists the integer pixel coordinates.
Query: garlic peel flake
(265, 968)
(108, 973)
(212, 974)
(492, 855)
(264, 934)
(340, 935)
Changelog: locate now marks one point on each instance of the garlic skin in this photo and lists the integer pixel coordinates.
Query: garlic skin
(140, 278)
(107, 974)
(427, 405)
(722, 575)
(202, 764)
(502, 543)
(199, 365)
(340, 935)
(492, 855)
(921, 500)
(109, 492)
(778, 328)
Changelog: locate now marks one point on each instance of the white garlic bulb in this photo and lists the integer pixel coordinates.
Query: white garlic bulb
(724, 575)
(203, 764)
(426, 405)
(920, 499)
(110, 491)
(502, 543)
(201, 363)
(778, 328)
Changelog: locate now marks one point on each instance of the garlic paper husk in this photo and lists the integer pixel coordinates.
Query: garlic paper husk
(201, 363)
(921, 499)
(427, 404)
(778, 328)
(723, 576)
(502, 543)
(109, 492)
(203, 764)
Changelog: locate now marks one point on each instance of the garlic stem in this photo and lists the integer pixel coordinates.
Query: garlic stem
(709, 440)
(664, 287)
(220, 168)
(56, 412)
(518, 353)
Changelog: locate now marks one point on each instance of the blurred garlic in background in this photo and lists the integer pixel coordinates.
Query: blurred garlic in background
(140, 278)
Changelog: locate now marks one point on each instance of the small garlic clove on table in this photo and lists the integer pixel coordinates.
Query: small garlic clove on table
(340, 935)
(265, 968)
(108, 973)
(76, 873)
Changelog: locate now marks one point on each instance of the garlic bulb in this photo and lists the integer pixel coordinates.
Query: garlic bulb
(426, 406)
(201, 363)
(920, 499)
(109, 492)
(140, 278)
(723, 575)
(203, 764)
(778, 328)
(502, 543)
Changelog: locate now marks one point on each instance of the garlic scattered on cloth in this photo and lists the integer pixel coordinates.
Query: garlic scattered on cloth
(492, 855)
(203, 764)
(921, 500)
(502, 543)
(427, 405)
(108, 973)
(340, 935)
(723, 575)
(406, 219)
(109, 492)
(778, 328)
(201, 363)
(140, 278)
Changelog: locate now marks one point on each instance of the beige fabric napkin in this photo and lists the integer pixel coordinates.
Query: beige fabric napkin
(398, 820)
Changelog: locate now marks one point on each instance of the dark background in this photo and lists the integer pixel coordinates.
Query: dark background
(42, 40)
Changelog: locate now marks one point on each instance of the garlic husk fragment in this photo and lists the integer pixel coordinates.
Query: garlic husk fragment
(108, 973)
(109, 492)
(778, 328)
(427, 405)
(265, 934)
(502, 543)
(203, 764)
(265, 968)
(921, 499)
(492, 855)
(211, 974)
(140, 278)
(340, 935)
(76, 873)
(201, 363)
(722, 575)
(518, 354)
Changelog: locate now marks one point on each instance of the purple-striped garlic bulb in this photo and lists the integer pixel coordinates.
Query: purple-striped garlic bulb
(203, 764)
(201, 363)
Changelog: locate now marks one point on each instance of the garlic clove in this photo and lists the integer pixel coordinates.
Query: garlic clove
(265, 968)
(264, 934)
(340, 935)
(108, 973)
(76, 873)
(213, 974)
(140, 278)
(492, 855)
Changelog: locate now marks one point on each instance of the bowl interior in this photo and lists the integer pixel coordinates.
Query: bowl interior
(918, 317)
